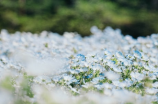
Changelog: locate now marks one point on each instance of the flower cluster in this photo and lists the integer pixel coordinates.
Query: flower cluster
(104, 68)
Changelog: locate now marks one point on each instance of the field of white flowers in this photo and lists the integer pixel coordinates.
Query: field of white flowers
(104, 68)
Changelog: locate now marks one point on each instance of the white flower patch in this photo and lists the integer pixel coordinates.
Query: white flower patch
(137, 76)
(112, 75)
(104, 68)
(137, 54)
(155, 84)
(151, 91)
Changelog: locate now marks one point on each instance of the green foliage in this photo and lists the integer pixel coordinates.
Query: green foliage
(7, 83)
(96, 74)
(126, 74)
(155, 102)
(46, 45)
(115, 60)
(147, 82)
(26, 87)
(132, 17)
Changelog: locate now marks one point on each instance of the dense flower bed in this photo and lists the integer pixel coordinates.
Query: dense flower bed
(104, 68)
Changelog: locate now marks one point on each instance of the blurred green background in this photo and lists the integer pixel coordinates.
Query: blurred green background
(134, 17)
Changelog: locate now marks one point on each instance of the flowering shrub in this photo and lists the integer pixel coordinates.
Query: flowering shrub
(104, 68)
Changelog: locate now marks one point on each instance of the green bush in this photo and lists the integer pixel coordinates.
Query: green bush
(78, 16)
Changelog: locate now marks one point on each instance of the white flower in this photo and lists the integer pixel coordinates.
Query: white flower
(151, 90)
(72, 71)
(112, 75)
(116, 83)
(67, 77)
(123, 84)
(97, 67)
(56, 78)
(108, 92)
(128, 82)
(97, 79)
(94, 29)
(80, 57)
(155, 84)
(99, 87)
(129, 56)
(108, 54)
(152, 76)
(51, 85)
(110, 63)
(107, 86)
(137, 76)
(119, 54)
(83, 69)
(137, 54)
(128, 62)
(144, 57)
(117, 69)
